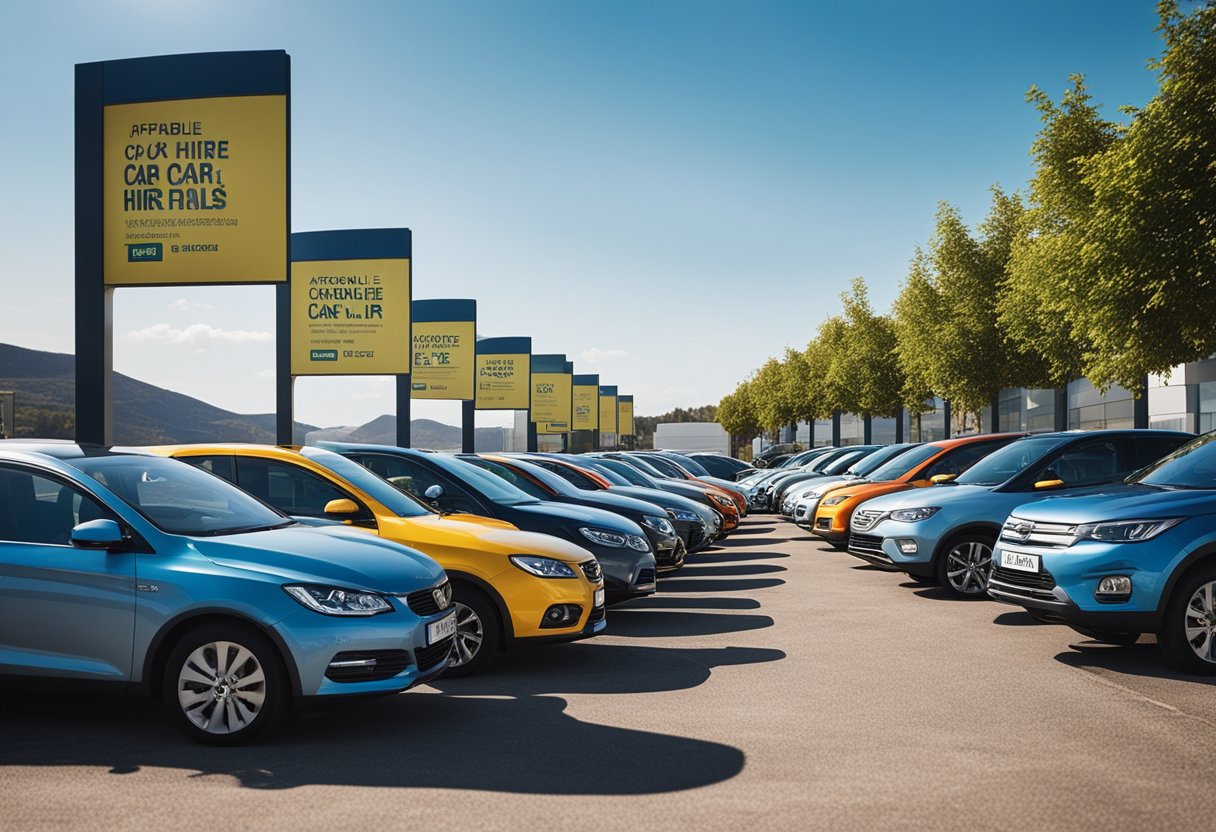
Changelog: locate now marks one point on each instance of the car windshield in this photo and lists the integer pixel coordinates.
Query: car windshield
(644, 466)
(627, 472)
(841, 464)
(904, 463)
(1191, 466)
(690, 465)
(382, 491)
(667, 466)
(518, 480)
(178, 498)
(1005, 463)
(547, 478)
(493, 488)
(719, 466)
(604, 471)
(867, 465)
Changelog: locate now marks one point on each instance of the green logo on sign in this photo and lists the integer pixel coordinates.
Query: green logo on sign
(323, 355)
(145, 252)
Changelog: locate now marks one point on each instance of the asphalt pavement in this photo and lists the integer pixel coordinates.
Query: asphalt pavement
(773, 683)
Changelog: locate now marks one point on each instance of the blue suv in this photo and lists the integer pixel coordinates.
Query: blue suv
(146, 572)
(944, 534)
(1112, 566)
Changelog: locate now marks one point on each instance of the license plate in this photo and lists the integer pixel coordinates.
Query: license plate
(599, 597)
(441, 629)
(1021, 561)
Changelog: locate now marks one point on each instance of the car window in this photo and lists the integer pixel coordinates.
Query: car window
(576, 478)
(290, 488)
(960, 459)
(633, 475)
(220, 465)
(415, 478)
(1007, 462)
(1149, 449)
(718, 467)
(1191, 466)
(902, 464)
(1090, 463)
(521, 482)
(39, 509)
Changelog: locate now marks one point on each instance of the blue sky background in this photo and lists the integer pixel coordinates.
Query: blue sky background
(668, 192)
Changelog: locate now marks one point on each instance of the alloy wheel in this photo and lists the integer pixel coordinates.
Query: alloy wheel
(470, 634)
(968, 566)
(1200, 624)
(221, 687)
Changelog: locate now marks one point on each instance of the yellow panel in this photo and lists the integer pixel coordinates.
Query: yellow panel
(195, 191)
(625, 418)
(444, 359)
(503, 381)
(350, 317)
(551, 401)
(608, 414)
(586, 409)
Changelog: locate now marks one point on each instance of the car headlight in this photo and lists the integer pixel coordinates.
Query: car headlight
(1125, 531)
(683, 515)
(722, 500)
(660, 524)
(914, 515)
(615, 539)
(835, 501)
(542, 567)
(332, 600)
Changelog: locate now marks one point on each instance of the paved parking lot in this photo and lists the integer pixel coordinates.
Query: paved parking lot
(772, 684)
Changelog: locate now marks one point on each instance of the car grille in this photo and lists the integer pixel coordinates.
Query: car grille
(1045, 535)
(367, 665)
(867, 544)
(428, 657)
(645, 577)
(591, 568)
(865, 519)
(1044, 580)
(423, 601)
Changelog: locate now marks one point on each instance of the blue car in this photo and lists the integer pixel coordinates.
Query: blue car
(149, 573)
(1141, 559)
(944, 534)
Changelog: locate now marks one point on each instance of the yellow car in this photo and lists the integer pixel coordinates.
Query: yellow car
(508, 585)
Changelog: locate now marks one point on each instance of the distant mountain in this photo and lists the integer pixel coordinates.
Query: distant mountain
(45, 388)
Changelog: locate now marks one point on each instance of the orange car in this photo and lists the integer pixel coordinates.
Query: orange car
(928, 464)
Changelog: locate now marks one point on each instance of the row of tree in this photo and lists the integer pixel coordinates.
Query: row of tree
(1105, 269)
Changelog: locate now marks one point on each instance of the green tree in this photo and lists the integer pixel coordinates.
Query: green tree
(737, 413)
(765, 389)
(864, 375)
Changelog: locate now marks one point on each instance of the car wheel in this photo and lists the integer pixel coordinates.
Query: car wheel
(1108, 637)
(476, 631)
(1188, 633)
(224, 684)
(965, 566)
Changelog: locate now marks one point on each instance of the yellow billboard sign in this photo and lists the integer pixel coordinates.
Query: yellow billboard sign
(350, 317)
(551, 402)
(586, 414)
(625, 416)
(504, 373)
(444, 358)
(194, 191)
(608, 410)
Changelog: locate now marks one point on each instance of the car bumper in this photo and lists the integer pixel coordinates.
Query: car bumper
(379, 654)
(527, 598)
(628, 576)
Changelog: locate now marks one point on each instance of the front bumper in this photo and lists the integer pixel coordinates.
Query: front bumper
(627, 574)
(527, 598)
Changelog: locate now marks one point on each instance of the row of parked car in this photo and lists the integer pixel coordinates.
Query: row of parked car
(1112, 532)
(235, 581)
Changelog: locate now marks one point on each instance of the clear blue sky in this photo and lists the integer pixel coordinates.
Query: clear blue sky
(668, 192)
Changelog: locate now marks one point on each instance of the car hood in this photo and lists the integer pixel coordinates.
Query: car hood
(658, 498)
(799, 490)
(431, 534)
(619, 503)
(581, 516)
(1123, 502)
(935, 495)
(333, 555)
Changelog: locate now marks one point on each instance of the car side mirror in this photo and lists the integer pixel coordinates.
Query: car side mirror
(433, 492)
(98, 534)
(341, 506)
(938, 479)
(1042, 484)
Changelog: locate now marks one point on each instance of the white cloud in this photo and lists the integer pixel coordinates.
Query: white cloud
(595, 355)
(196, 335)
(183, 305)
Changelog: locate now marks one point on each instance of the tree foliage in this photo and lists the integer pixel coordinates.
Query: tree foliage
(864, 372)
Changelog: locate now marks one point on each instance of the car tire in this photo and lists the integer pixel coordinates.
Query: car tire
(1107, 636)
(1188, 620)
(477, 631)
(965, 564)
(224, 683)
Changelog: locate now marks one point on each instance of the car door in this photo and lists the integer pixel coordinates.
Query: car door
(1089, 464)
(295, 490)
(64, 611)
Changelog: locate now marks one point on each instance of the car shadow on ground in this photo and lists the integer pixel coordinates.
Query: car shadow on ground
(1143, 658)
(1019, 619)
(730, 542)
(675, 583)
(754, 530)
(666, 602)
(700, 570)
(671, 623)
(726, 555)
(525, 744)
